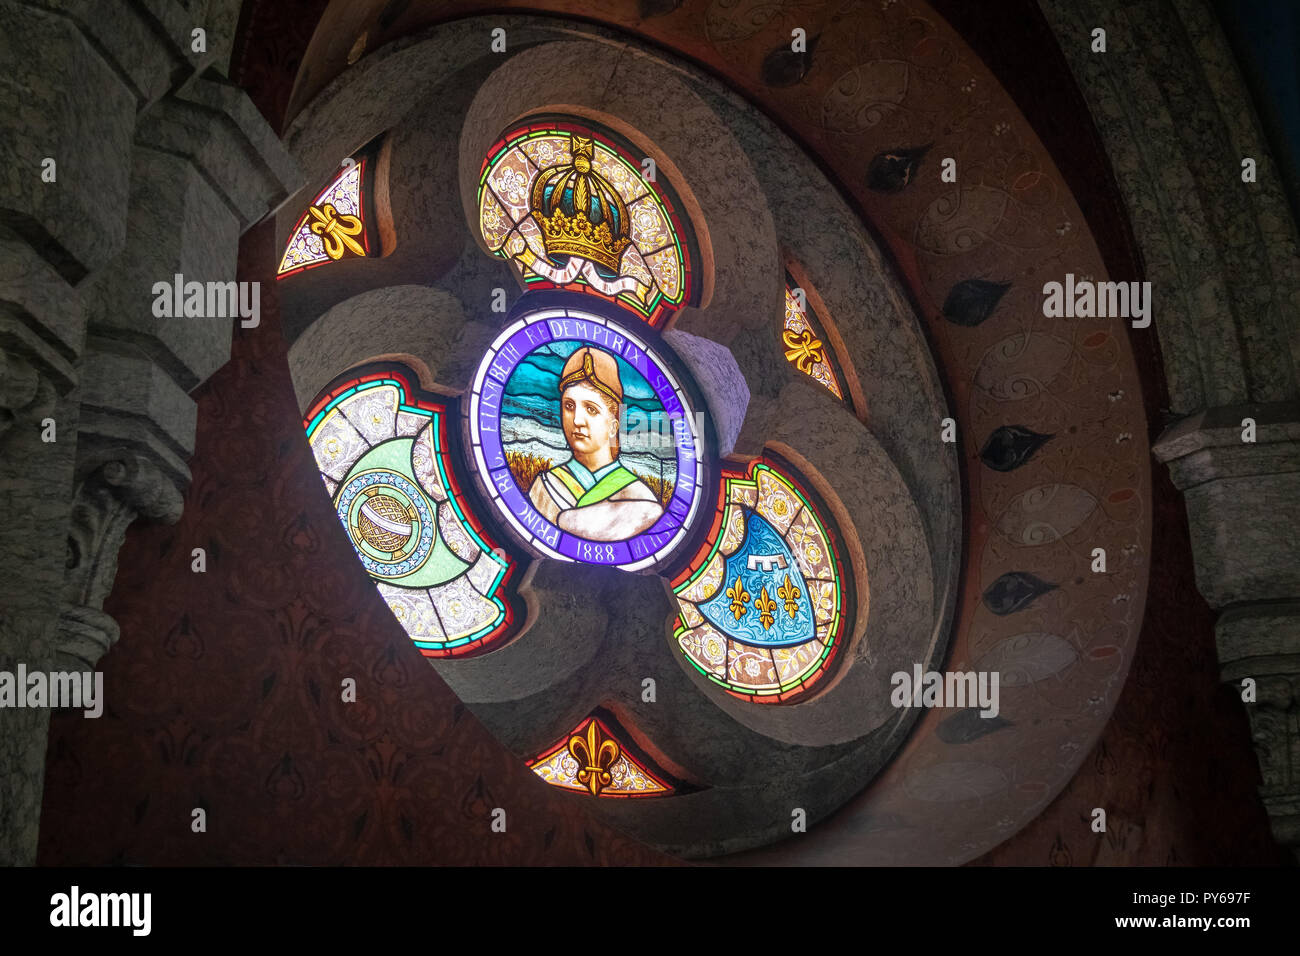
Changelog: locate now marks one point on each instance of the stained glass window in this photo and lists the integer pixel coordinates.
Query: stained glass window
(333, 227)
(762, 606)
(584, 440)
(383, 455)
(571, 208)
(592, 760)
(584, 444)
(805, 344)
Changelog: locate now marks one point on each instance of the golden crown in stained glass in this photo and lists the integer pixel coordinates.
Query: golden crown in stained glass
(579, 212)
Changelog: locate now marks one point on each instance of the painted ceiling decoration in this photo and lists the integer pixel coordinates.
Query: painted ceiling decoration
(1001, 493)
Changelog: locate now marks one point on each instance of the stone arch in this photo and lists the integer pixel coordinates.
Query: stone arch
(1224, 260)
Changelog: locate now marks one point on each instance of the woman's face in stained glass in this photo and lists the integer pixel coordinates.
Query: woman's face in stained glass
(590, 425)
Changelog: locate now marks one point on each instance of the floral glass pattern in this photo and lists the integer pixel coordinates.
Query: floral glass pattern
(805, 347)
(333, 227)
(571, 209)
(383, 455)
(762, 605)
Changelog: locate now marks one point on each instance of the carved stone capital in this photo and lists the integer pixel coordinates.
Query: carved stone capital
(1262, 642)
(1243, 508)
(26, 396)
(1275, 730)
(1243, 499)
(111, 496)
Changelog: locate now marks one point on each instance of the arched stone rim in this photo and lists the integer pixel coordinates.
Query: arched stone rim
(837, 722)
(930, 280)
(552, 79)
(681, 205)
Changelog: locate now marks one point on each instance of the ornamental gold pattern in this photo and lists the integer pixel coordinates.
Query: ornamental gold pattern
(332, 227)
(789, 593)
(766, 606)
(576, 236)
(385, 523)
(336, 230)
(739, 598)
(803, 349)
(596, 754)
(579, 211)
(566, 765)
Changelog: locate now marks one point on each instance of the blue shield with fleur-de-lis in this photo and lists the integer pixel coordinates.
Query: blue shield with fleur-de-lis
(763, 599)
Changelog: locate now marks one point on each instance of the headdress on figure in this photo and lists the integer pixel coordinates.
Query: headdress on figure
(595, 368)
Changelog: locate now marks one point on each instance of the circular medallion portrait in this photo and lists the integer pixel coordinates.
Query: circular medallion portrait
(585, 440)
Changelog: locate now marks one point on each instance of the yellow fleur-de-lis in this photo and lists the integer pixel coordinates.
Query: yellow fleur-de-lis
(336, 230)
(803, 349)
(595, 754)
(765, 606)
(789, 593)
(739, 598)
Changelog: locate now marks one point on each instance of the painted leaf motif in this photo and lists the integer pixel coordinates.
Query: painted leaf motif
(891, 171)
(1026, 658)
(785, 67)
(1045, 514)
(972, 301)
(1021, 365)
(392, 10)
(1010, 446)
(967, 725)
(657, 8)
(1014, 591)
